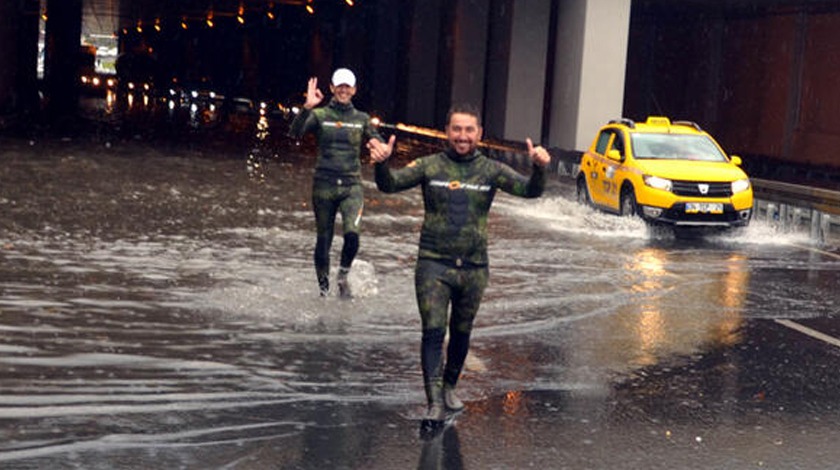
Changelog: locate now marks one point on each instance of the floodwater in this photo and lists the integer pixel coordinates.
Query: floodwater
(158, 309)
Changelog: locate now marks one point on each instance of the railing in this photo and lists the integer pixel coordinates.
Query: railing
(793, 206)
(823, 200)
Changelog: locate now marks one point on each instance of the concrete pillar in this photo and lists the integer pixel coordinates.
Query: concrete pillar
(466, 54)
(18, 57)
(9, 16)
(516, 69)
(446, 50)
(591, 56)
(498, 58)
(63, 38)
(386, 64)
(421, 67)
(446, 56)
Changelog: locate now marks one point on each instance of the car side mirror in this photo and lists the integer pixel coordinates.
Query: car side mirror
(735, 159)
(614, 154)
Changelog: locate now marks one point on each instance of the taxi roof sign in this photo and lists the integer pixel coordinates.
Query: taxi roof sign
(658, 121)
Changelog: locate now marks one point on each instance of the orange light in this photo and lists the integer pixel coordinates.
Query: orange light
(310, 9)
(349, 2)
(184, 23)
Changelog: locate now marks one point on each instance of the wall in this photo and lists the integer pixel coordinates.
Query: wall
(816, 135)
(762, 80)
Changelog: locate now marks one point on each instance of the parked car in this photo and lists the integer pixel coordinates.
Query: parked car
(668, 173)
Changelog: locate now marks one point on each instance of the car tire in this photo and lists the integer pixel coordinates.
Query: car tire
(583, 192)
(627, 205)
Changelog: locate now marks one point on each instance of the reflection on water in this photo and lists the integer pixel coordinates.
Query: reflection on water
(160, 306)
(443, 452)
(710, 308)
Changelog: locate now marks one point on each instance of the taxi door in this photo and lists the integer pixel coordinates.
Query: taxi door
(613, 161)
(602, 171)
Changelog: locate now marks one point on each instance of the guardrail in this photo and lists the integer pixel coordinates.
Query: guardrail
(794, 206)
(823, 200)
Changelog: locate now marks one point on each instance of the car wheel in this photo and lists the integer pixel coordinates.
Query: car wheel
(583, 192)
(628, 202)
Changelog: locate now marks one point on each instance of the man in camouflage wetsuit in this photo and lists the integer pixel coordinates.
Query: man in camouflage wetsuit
(458, 188)
(340, 129)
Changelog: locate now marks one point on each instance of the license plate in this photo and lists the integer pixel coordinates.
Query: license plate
(703, 208)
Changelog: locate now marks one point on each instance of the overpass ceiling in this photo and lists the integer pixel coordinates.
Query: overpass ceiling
(114, 14)
(108, 16)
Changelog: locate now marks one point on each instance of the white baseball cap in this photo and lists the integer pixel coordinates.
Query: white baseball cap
(343, 77)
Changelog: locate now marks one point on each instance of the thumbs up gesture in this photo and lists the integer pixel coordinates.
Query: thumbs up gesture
(538, 154)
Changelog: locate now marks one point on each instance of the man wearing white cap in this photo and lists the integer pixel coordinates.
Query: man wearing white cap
(341, 130)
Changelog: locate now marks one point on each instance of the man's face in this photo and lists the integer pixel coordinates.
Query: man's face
(343, 93)
(463, 133)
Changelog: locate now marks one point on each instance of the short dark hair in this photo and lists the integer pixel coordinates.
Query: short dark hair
(463, 108)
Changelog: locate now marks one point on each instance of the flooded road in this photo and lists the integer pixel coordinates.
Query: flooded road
(158, 309)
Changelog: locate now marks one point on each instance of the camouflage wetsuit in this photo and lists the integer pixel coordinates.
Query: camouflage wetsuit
(340, 130)
(452, 260)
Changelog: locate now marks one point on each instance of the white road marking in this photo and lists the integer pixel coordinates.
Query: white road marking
(810, 332)
(817, 250)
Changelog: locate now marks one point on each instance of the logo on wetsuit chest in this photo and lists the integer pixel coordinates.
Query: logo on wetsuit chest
(340, 124)
(455, 184)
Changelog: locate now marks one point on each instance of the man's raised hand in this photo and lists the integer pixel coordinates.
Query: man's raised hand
(313, 94)
(538, 154)
(381, 151)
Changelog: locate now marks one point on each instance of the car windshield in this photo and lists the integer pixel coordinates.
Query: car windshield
(676, 147)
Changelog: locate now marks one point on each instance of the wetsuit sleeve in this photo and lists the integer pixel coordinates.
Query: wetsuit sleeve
(392, 181)
(304, 122)
(514, 183)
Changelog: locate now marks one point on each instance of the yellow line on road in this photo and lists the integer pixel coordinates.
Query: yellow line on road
(810, 332)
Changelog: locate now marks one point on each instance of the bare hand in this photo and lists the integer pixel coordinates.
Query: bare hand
(381, 151)
(538, 154)
(313, 94)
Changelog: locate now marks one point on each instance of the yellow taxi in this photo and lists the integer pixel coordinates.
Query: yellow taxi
(668, 173)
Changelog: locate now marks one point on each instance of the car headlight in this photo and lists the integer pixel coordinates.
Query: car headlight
(740, 186)
(658, 183)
